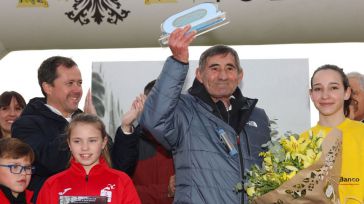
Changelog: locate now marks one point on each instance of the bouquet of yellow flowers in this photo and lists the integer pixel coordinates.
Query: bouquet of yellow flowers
(297, 169)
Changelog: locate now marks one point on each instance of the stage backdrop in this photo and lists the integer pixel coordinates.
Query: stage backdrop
(281, 85)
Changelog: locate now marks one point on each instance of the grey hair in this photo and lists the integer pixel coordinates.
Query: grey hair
(219, 50)
(358, 76)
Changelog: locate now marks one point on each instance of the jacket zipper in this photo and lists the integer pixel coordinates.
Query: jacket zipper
(241, 165)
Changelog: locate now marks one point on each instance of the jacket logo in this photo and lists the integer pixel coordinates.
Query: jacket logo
(64, 191)
(107, 191)
(252, 123)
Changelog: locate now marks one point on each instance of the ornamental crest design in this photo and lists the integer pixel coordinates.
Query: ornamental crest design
(98, 10)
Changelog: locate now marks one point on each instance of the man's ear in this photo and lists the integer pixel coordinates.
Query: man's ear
(47, 88)
(198, 74)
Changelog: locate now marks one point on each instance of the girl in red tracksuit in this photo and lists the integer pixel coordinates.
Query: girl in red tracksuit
(89, 176)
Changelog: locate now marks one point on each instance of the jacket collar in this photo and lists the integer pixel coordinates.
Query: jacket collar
(240, 112)
(237, 101)
(21, 199)
(36, 106)
(77, 168)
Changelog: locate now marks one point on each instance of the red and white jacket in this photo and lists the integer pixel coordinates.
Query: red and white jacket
(5, 200)
(101, 181)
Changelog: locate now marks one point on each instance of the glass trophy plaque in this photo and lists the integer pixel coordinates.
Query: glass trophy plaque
(202, 18)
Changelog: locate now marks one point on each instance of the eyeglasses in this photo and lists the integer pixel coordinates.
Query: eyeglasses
(18, 169)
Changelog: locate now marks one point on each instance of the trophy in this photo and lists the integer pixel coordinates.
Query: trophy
(202, 18)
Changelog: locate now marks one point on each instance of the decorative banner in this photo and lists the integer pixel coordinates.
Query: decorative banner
(32, 3)
(84, 10)
(159, 1)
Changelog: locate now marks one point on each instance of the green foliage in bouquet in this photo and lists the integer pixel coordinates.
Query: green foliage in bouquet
(287, 154)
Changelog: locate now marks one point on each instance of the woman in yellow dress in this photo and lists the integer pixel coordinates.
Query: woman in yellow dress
(330, 92)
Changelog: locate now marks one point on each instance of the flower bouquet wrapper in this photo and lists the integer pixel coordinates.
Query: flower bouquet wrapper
(317, 183)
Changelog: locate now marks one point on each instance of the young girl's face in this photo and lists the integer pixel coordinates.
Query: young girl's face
(17, 183)
(328, 93)
(86, 144)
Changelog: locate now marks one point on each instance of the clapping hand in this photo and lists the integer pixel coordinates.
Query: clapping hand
(133, 113)
(89, 106)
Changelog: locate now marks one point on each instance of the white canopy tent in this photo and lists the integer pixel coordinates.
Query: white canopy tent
(251, 22)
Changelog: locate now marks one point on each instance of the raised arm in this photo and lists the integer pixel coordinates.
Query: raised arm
(159, 111)
(125, 150)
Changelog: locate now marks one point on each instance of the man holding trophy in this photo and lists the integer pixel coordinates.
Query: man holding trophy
(213, 131)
